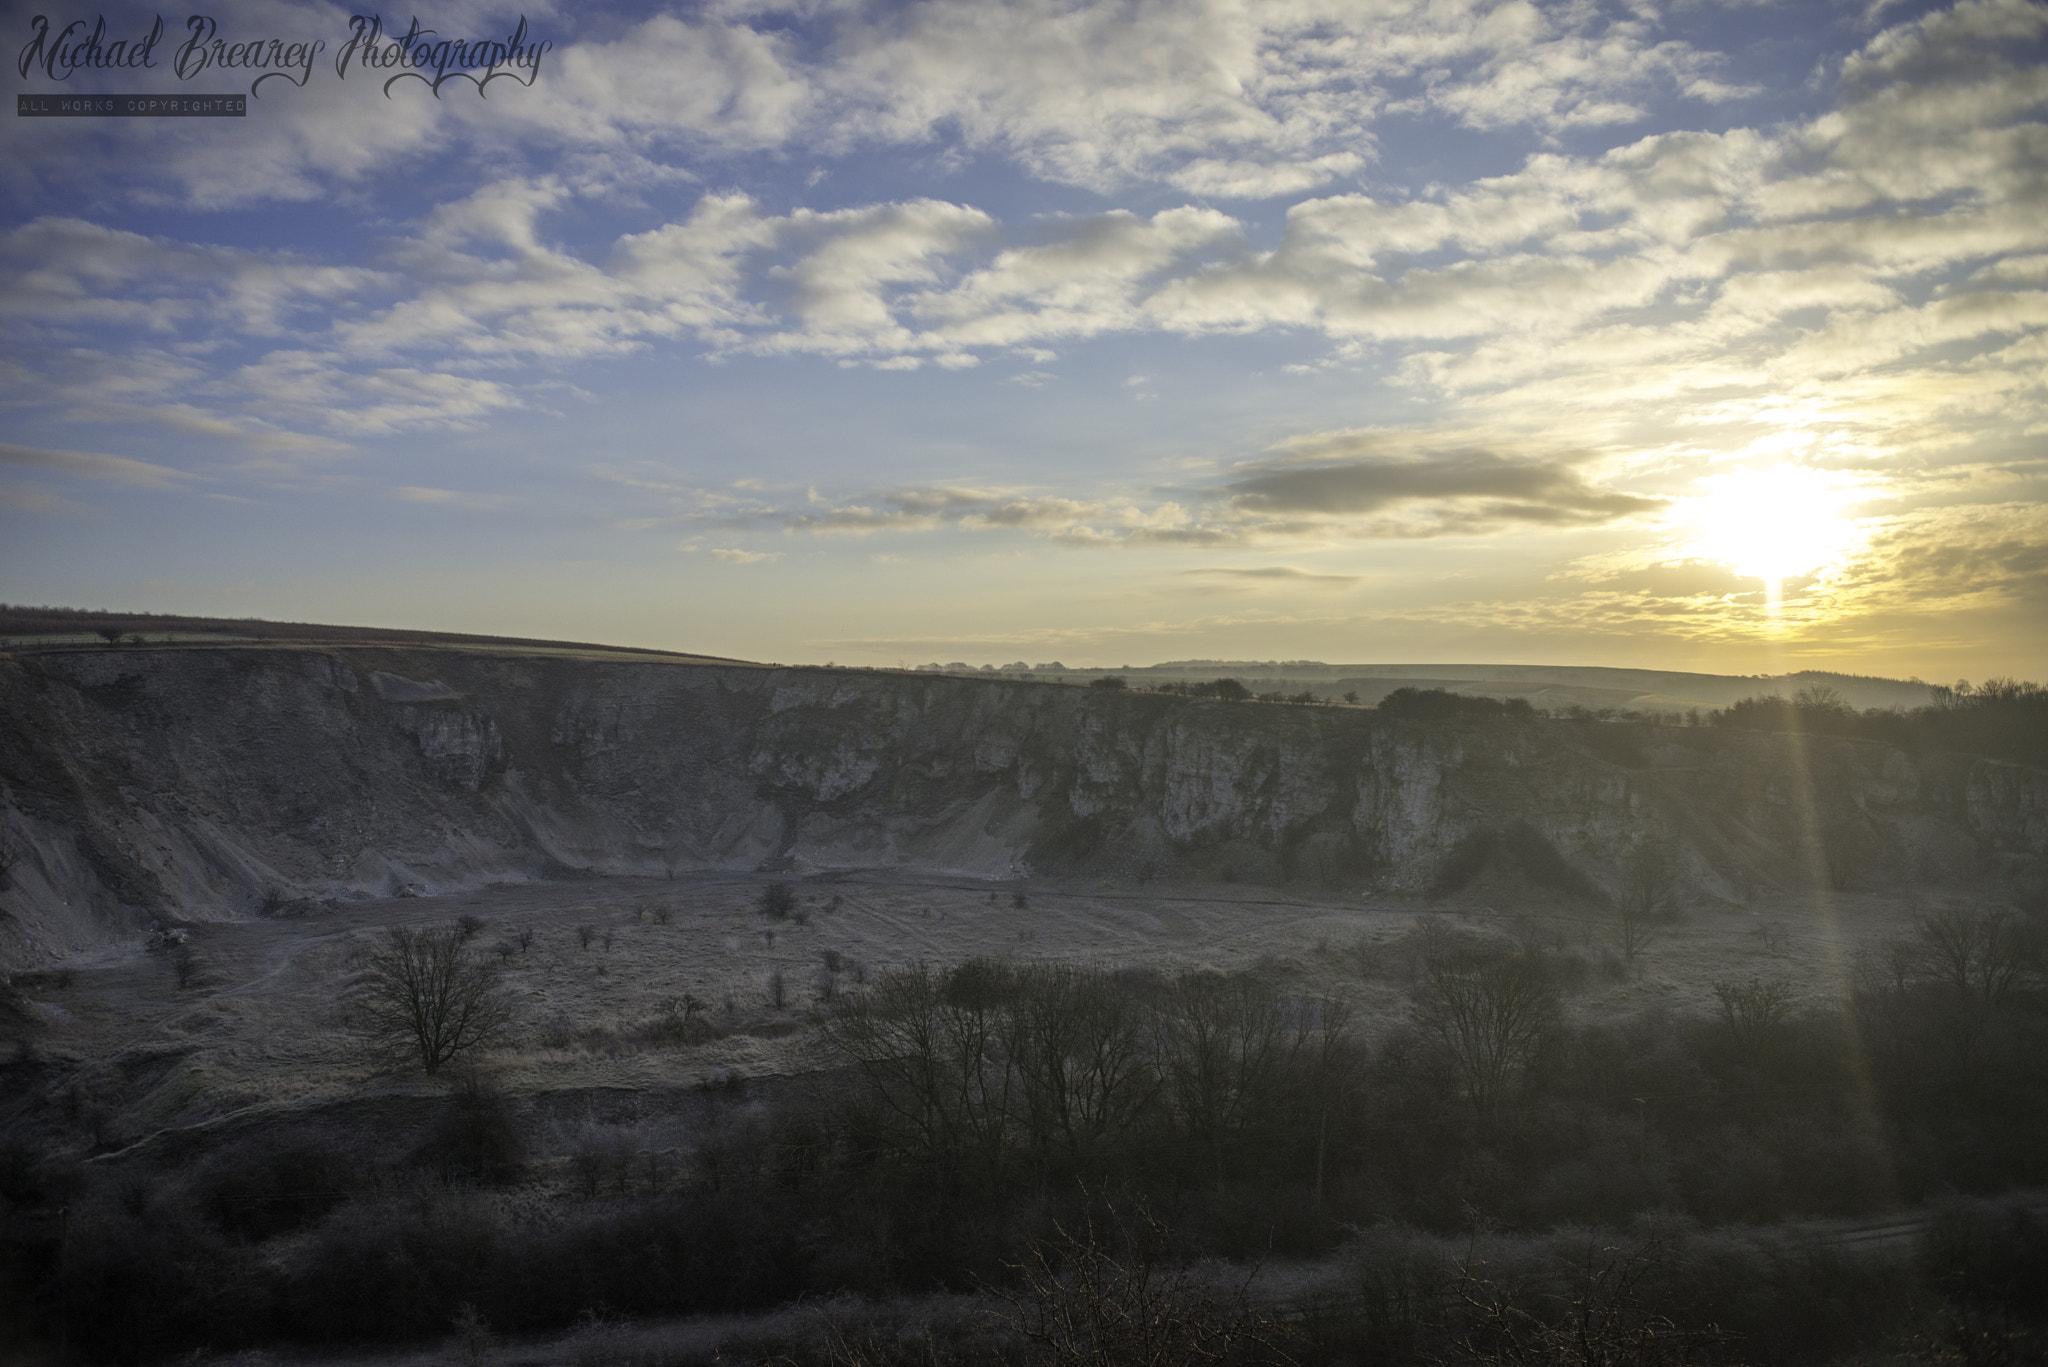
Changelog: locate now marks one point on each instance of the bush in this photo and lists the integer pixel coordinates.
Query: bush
(1986, 1257)
(141, 1274)
(476, 1138)
(777, 901)
(395, 1268)
(265, 1187)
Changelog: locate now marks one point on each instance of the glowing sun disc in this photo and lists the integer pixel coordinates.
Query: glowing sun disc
(1773, 524)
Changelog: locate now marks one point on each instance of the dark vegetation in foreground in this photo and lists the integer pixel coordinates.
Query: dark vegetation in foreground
(1058, 1141)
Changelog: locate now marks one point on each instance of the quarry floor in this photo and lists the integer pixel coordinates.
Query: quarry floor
(261, 1025)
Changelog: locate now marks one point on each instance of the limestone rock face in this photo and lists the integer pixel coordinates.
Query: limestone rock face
(216, 783)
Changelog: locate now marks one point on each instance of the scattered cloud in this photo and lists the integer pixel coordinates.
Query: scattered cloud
(1575, 340)
(1208, 98)
(1459, 488)
(1676, 262)
(449, 498)
(1325, 488)
(94, 465)
(1285, 574)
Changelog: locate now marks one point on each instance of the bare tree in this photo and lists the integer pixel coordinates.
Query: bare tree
(1648, 896)
(426, 996)
(1224, 1043)
(1980, 956)
(1884, 977)
(1331, 1072)
(1956, 971)
(1753, 1010)
(927, 1046)
(1491, 1015)
(1078, 1043)
(891, 1036)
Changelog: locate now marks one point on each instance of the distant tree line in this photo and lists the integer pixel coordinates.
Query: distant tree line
(2003, 718)
(1226, 690)
(1436, 704)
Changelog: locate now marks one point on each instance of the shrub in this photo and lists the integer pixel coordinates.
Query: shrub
(141, 1273)
(265, 1187)
(395, 1268)
(476, 1138)
(1082, 1303)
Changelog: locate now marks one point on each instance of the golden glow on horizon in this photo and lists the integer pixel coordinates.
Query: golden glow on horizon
(1774, 524)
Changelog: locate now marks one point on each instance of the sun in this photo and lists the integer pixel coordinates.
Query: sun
(1773, 524)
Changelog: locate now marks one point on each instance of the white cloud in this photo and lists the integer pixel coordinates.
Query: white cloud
(313, 387)
(1704, 272)
(64, 274)
(1208, 97)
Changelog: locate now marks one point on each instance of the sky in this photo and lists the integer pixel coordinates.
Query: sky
(1709, 334)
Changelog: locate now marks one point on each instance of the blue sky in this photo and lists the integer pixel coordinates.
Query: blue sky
(1699, 335)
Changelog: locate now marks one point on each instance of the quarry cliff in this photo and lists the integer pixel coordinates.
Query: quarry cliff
(142, 786)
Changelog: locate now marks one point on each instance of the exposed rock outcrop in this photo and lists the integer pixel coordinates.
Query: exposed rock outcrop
(212, 783)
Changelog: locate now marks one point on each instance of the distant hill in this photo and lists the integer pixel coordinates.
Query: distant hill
(1552, 687)
(1549, 686)
(81, 627)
